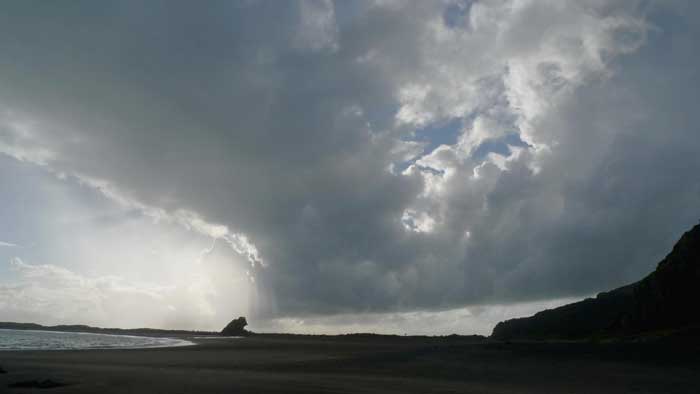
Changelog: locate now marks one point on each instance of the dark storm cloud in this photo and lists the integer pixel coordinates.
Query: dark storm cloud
(283, 121)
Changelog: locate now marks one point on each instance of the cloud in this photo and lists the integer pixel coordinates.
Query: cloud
(8, 244)
(317, 27)
(188, 219)
(478, 320)
(55, 295)
(304, 136)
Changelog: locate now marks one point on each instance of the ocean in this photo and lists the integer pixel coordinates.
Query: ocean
(52, 340)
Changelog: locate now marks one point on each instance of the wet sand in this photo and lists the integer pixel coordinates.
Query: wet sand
(288, 364)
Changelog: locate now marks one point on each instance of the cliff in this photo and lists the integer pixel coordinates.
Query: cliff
(664, 300)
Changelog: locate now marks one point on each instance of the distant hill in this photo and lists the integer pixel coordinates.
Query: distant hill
(665, 300)
(98, 330)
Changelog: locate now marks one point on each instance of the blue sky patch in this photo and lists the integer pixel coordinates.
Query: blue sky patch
(499, 145)
(457, 14)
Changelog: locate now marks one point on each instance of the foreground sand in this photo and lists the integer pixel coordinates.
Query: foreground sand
(362, 365)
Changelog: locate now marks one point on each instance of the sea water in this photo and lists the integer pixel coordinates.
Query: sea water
(53, 340)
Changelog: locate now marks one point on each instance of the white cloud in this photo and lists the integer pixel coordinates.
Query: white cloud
(317, 27)
(55, 295)
(18, 140)
(59, 295)
(422, 223)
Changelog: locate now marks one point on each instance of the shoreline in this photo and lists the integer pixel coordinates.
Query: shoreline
(142, 331)
(155, 344)
(365, 364)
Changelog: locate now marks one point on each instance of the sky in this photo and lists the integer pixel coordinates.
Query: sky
(422, 167)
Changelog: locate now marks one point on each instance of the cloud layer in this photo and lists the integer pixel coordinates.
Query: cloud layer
(378, 156)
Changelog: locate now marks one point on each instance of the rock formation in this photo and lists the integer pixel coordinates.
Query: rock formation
(236, 328)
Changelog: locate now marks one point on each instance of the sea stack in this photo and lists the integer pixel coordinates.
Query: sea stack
(236, 328)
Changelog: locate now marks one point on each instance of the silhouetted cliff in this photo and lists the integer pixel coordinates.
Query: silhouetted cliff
(664, 300)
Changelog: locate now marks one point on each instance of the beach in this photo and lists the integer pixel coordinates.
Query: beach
(359, 364)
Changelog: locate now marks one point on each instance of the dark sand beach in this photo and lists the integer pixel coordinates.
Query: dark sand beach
(361, 364)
